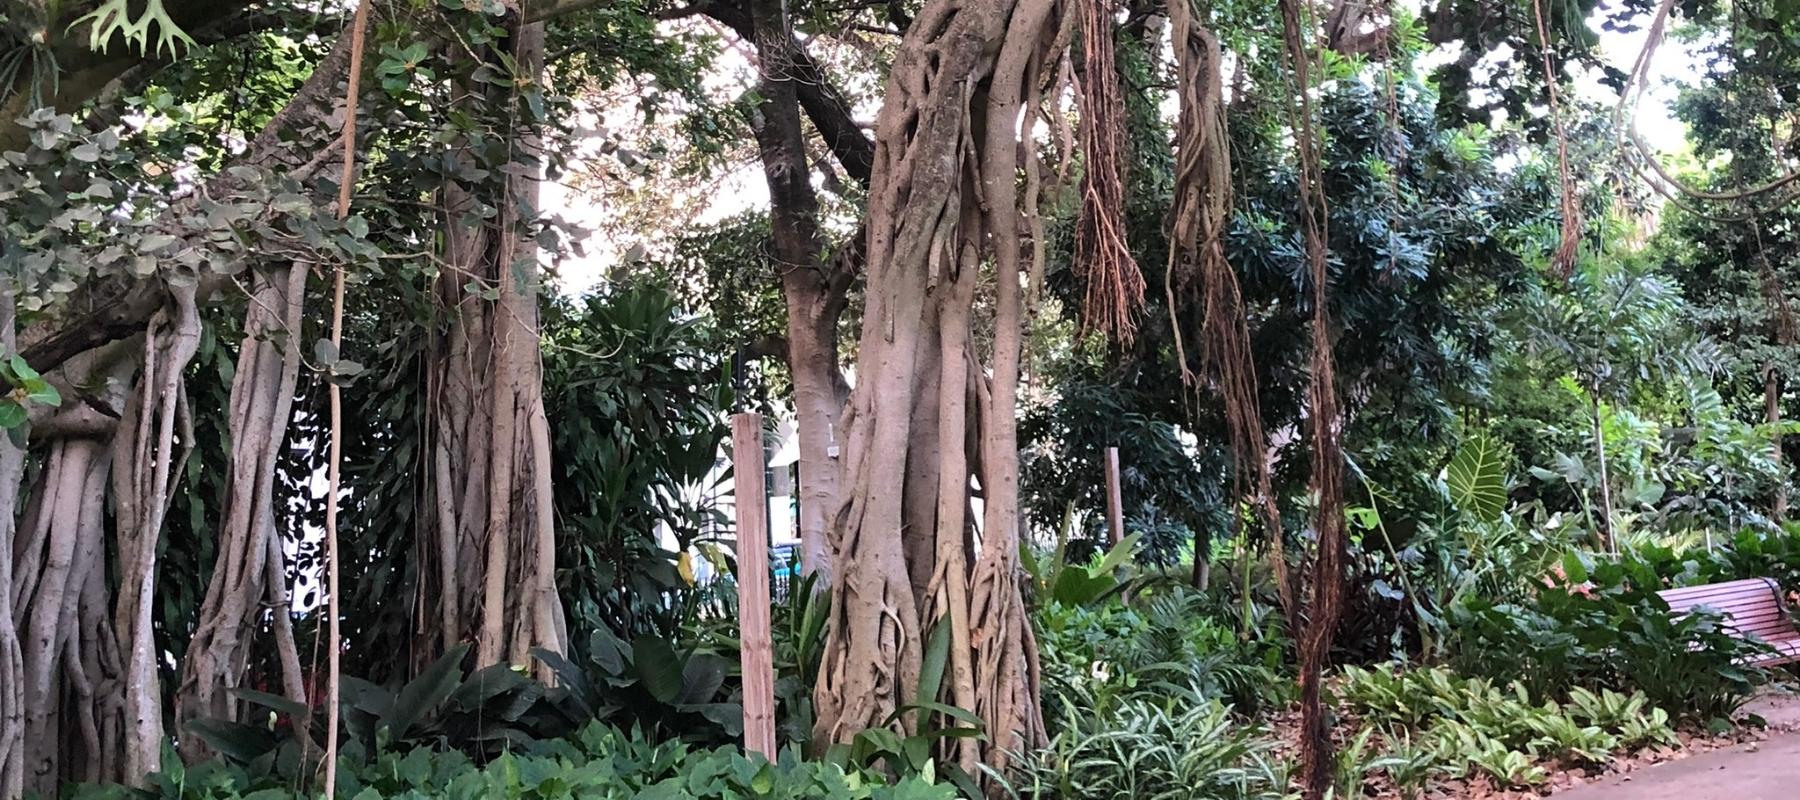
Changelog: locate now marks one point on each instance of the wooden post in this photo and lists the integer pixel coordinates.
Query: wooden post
(1115, 503)
(758, 651)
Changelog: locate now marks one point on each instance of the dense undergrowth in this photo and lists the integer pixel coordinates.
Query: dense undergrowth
(599, 761)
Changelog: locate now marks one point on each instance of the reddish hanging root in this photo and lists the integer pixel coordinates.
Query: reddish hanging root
(1568, 248)
(1115, 285)
(1325, 603)
(1199, 218)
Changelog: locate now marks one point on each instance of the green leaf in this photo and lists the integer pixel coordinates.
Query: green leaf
(659, 669)
(423, 695)
(937, 652)
(23, 371)
(1076, 586)
(1574, 568)
(44, 394)
(234, 740)
(701, 678)
(154, 242)
(1477, 478)
(1118, 555)
(12, 415)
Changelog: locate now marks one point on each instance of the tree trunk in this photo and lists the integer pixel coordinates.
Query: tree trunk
(12, 665)
(145, 466)
(944, 200)
(248, 589)
(69, 678)
(806, 282)
(819, 398)
(493, 542)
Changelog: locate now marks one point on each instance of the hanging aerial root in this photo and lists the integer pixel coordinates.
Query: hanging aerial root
(154, 441)
(1324, 605)
(1115, 285)
(1199, 219)
(1568, 248)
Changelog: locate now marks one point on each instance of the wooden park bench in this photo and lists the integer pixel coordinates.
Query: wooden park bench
(1752, 607)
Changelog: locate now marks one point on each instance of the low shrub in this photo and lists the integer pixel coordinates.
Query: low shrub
(599, 762)
(1752, 552)
(1097, 657)
(1607, 629)
(1153, 751)
(1446, 724)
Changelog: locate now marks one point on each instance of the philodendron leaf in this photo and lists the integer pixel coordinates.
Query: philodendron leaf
(1477, 478)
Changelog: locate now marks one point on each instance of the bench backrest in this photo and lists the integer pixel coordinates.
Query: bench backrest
(1751, 606)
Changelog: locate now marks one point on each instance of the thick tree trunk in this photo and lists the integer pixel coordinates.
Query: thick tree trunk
(819, 398)
(493, 542)
(1005, 650)
(807, 283)
(248, 592)
(944, 200)
(12, 665)
(69, 678)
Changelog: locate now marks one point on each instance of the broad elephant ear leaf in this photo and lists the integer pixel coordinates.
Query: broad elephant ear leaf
(1477, 478)
(659, 669)
(701, 678)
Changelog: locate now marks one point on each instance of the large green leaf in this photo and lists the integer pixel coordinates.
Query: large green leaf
(422, 696)
(234, 740)
(659, 669)
(1477, 477)
(701, 678)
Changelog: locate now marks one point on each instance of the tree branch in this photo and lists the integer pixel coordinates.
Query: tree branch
(824, 105)
(296, 142)
(83, 72)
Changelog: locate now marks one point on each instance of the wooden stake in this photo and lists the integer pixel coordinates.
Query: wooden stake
(1115, 503)
(758, 650)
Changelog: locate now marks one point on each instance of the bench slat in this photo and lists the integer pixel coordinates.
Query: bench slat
(1721, 597)
(1751, 608)
(1747, 588)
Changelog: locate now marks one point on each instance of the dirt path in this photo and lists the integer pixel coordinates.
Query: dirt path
(1768, 770)
(1763, 770)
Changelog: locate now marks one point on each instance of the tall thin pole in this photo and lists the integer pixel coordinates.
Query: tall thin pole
(1115, 502)
(335, 642)
(758, 652)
